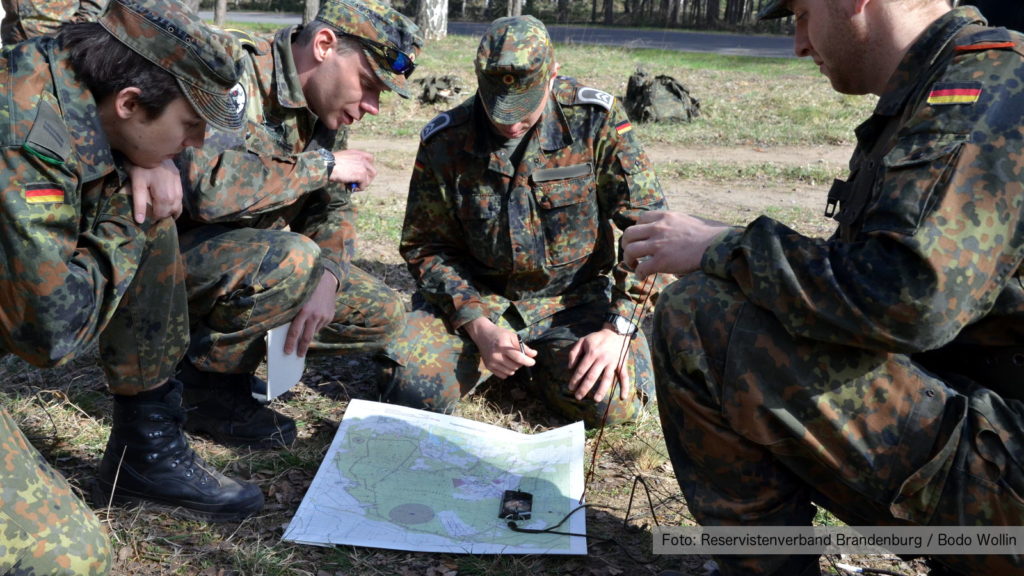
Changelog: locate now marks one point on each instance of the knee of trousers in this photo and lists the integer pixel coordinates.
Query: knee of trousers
(286, 276)
(432, 364)
(290, 258)
(693, 322)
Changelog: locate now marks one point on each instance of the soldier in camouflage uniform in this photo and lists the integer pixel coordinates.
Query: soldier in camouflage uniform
(877, 372)
(77, 270)
(508, 233)
(269, 231)
(24, 19)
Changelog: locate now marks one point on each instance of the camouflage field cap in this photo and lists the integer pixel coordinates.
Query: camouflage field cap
(390, 40)
(774, 9)
(513, 66)
(172, 37)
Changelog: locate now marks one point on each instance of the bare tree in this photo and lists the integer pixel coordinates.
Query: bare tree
(432, 18)
(515, 7)
(309, 11)
(563, 11)
(220, 11)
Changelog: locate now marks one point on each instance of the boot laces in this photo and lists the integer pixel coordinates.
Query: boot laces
(177, 449)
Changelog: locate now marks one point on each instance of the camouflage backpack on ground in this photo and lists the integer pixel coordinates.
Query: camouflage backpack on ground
(659, 99)
(434, 89)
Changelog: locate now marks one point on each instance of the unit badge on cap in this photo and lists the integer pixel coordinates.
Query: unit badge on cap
(238, 97)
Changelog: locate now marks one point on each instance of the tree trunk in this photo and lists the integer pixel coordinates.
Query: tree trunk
(515, 7)
(310, 10)
(432, 18)
(711, 16)
(220, 11)
(563, 12)
(609, 12)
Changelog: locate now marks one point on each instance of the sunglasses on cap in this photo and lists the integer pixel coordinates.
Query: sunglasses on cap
(398, 62)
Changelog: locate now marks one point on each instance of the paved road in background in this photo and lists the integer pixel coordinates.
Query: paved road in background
(734, 44)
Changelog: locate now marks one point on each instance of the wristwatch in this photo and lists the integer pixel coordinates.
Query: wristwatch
(621, 325)
(328, 159)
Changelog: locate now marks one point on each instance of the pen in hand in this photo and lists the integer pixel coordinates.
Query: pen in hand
(529, 373)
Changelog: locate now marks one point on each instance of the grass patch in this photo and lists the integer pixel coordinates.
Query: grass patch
(744, 100)
(813, 174)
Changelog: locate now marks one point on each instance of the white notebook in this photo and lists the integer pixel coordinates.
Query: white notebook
(283, 370)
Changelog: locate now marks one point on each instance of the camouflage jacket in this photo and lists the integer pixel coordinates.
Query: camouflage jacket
(25, 19)
(62, 249)
(482, 235)
(274, 177)
(931, 223)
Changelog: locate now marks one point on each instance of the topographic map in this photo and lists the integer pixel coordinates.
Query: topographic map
(406, 479)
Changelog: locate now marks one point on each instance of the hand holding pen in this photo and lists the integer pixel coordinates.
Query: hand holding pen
(529, 371)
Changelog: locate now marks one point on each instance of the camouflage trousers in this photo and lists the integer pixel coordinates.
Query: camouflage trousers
(244, 281)
(44, 527)
(133, 303)
(439, 367)
(759, 423)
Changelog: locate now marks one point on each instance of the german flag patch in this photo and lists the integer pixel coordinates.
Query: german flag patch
(43, 194)
(944, 93)
(623, 127)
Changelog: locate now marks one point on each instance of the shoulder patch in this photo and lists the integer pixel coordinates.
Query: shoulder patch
(245, 39)
(48, 139)
(587, 95)
(440, 122)
(988, 39)
(945, 93)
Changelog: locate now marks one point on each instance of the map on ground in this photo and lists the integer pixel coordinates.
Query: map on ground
(407, 479)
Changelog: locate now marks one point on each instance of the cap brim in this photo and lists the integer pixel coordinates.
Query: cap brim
(219, 110)
(508, 109)
(397, 83)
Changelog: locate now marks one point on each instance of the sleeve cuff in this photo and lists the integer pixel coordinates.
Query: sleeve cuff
(466, 314)
(715, 261)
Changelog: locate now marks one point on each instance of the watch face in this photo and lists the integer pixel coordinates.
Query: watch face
(622, 325)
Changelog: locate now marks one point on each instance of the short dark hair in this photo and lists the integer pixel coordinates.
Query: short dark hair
(107, 66)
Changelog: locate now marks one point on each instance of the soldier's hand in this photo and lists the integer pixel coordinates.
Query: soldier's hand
(499, 348)
(354, 167)
(595, 360)
(156, 191)
(670, 242)
(316, 313)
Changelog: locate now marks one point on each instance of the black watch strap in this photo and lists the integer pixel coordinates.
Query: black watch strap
(621, 325)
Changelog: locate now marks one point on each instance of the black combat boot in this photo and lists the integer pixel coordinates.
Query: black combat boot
(221, 406)
(148, 461)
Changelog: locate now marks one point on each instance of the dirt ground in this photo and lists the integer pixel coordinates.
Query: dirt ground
(395, 158)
